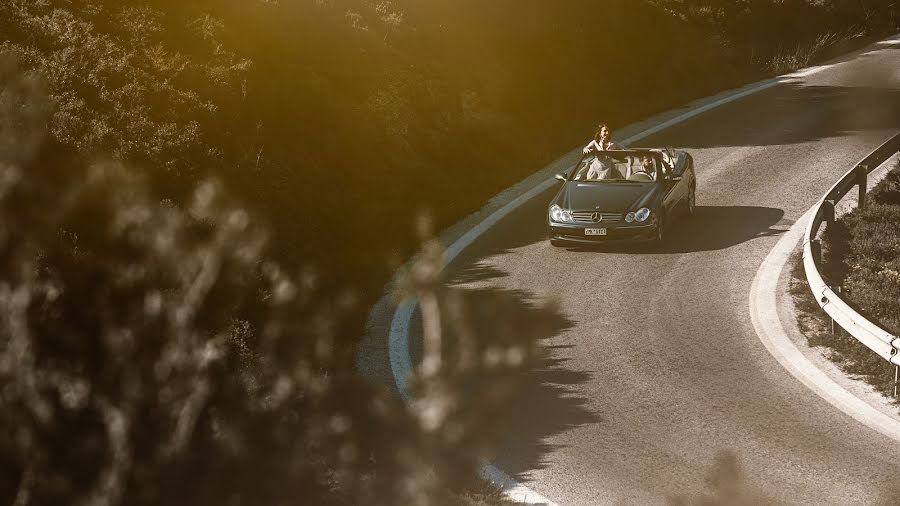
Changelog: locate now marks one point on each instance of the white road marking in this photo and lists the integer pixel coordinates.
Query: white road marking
(889, 41)
(512, 489)
(810, 71)
(769, 329)
(398, 339)
(398, 346)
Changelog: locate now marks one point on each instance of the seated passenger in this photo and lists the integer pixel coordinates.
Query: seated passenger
(646, 171)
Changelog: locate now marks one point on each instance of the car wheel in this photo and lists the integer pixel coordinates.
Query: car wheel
(692, 201)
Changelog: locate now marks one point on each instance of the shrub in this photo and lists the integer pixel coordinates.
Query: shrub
(118, 87)
(887, 191)
(873, 263)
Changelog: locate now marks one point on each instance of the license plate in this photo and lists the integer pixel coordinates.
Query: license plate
(595, 231)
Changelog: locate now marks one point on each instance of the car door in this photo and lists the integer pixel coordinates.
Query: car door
(678, 186)
(671, 196)
(674, 188)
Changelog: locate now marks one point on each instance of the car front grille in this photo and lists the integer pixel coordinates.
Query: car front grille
(595, 217)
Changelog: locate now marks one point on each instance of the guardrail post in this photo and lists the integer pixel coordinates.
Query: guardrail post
(838, 290)
(815, 247)
(862, 179)
(895, 344)
(828, 211)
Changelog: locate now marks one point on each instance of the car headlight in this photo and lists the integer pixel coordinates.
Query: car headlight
(559, 214)
(642, 214)
(629, 217)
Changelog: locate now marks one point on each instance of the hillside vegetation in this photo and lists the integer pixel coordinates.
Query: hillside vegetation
(200, 201)
(319, 110)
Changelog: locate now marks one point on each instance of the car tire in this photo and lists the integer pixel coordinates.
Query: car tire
(692, 201)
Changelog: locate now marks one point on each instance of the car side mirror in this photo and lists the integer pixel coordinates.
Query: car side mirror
(561, 177)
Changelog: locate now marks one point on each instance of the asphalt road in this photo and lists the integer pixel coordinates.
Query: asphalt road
(653, 365)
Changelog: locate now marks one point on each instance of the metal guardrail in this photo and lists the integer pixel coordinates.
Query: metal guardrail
(882, 342)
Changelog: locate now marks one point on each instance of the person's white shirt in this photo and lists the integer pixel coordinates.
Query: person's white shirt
(600, 146)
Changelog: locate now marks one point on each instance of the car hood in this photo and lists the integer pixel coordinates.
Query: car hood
(616, 197)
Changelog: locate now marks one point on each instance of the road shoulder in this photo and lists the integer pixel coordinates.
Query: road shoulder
(777, 328)
(818, 355)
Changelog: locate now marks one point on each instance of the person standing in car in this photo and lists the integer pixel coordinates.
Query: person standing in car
(602, 167)
(601, 140)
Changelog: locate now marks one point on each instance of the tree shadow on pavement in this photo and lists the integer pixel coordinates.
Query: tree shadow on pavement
(545, 406)
(522, 411)
(791, 113)
(545, 403)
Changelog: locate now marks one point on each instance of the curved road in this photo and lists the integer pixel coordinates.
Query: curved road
(653, 365)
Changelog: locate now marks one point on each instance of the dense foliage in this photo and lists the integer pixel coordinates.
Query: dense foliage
(317, 107)
(118, 85)
(152, 352)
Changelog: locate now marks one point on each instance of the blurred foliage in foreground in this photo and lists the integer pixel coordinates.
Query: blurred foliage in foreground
(152, 353)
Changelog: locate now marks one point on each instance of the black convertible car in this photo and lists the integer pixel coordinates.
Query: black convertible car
(622, 196)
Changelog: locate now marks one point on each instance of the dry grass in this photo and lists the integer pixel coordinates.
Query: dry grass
(861, 253)
(808, 53)
(840, 347)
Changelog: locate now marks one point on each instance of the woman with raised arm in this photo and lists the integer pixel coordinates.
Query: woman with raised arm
(601, 140)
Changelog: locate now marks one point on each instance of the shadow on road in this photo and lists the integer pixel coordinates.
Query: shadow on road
(791, 113)
(711, 228)
(545, 402)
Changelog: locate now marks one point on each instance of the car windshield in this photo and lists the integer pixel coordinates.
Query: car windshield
(616, 166)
